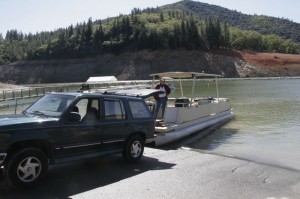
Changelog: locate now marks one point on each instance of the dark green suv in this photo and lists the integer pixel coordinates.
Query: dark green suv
(70, 126)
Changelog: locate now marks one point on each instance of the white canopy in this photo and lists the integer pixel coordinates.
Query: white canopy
(184, 74)
(102, 79)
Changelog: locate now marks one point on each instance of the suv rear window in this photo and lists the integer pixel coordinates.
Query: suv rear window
(139, 109)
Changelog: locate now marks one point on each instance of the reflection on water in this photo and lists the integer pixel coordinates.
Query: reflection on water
(265, 127)
(207, 139)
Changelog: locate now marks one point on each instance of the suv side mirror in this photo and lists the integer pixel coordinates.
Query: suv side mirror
(73, 117)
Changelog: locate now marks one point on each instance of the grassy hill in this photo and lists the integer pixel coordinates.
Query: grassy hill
(184, 25)
(266, 25)
(187, 34)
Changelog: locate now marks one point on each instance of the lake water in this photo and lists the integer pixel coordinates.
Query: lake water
(265, 127)
(266, 123)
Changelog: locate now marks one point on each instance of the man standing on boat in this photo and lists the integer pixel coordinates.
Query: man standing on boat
(161, 99)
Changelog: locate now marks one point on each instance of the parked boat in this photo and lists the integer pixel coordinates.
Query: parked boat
(187, 115)
(184, 115)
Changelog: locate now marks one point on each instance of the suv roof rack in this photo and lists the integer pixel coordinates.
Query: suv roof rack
(142, 93)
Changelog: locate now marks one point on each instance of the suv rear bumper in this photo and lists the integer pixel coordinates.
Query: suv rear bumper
(2, 157)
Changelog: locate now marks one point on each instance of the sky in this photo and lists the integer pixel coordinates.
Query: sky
(48, 15)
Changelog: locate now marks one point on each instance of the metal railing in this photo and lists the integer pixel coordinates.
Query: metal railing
(37, 90)
(13, 94)
(41, 89)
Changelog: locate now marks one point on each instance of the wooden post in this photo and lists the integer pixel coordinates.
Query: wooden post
(181, 87)
(217, 87)
(193, 88)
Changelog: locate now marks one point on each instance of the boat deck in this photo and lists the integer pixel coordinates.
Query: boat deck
(168, 127)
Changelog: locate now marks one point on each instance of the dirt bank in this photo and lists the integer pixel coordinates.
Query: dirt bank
(9, 86)
(138, 65)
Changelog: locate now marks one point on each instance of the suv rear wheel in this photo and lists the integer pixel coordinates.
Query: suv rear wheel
(25, 168)
(134, 148)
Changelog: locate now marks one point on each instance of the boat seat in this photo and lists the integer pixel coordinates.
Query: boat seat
(182, 102)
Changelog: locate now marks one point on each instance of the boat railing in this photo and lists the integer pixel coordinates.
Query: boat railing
(173, 102)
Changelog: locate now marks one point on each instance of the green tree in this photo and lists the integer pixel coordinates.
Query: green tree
(183, 39)
(254, 41)
(272, 43)
(162, 16)
(98, 37)
(193, 34)
(238, 40)
(177, 36)
(290, 47)
(70, 31)
(88, 31)
(226, 36)
(153, 41)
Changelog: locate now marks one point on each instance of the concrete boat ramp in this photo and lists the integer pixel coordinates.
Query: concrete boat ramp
(165, 173)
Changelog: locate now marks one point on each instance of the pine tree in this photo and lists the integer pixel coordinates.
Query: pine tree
(161, 16)
(183, 39)
(70, 31)
(98, 37)
(193, 34)
(89, 31)
(177, 36)
(226, 36)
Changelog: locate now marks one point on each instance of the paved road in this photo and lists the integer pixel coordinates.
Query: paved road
(165, 173)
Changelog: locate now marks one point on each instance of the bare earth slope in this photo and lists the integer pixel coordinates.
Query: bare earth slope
(4, 86)
(138, 65)
(279, 64)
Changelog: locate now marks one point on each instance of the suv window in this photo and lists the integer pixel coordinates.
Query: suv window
(51, 105)
(114, 109)
(88, 109)
(139, 110)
